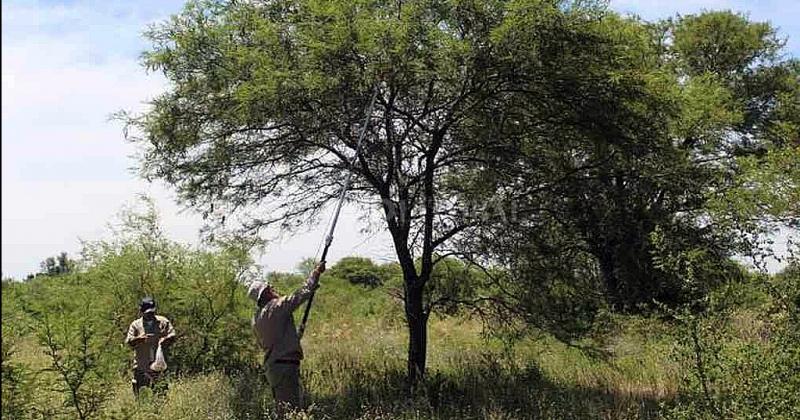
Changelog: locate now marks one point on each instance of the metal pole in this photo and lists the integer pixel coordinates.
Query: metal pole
(345, 186)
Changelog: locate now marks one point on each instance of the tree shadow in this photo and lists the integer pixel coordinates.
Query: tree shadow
(476, 391)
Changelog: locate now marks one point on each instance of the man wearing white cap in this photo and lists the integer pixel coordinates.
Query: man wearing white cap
(145, 334)
(274, 327)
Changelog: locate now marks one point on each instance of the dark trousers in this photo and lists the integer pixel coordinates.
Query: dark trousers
(147, 378)
(284, 379)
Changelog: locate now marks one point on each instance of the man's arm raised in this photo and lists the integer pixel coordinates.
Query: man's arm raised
(304, 292)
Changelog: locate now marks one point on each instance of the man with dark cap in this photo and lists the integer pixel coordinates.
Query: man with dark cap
(145, 334)
(274, 327)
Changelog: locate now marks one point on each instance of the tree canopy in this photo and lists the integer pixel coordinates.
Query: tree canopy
(701, 147)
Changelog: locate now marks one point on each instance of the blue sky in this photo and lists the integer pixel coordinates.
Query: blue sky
(67, 65)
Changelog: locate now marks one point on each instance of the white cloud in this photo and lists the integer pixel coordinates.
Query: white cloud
(65, 167)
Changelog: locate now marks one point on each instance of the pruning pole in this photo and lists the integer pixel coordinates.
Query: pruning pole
(345, 186)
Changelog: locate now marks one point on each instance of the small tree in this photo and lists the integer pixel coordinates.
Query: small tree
(80, 358)
(53, 266)
(727, 375)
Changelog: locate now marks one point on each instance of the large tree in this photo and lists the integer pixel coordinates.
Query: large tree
(266, 99)
(697, 136)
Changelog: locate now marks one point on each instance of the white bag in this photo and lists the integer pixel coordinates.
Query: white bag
(159, 364)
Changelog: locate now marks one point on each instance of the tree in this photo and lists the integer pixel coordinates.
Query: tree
(48, 266)
(358, 270)
(266, 100)
(306, 266)
(687, 137)
(53, 266)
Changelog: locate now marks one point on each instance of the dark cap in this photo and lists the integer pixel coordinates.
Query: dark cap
(147, 305)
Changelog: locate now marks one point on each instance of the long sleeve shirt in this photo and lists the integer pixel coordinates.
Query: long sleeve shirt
(274, 324)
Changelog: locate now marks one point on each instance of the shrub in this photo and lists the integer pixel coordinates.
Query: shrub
(81, 318)
(201, 291)
(17, 381)
(68, 319)
(731, 375)
(358, 270)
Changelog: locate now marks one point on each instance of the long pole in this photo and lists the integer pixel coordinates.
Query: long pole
(345, 186)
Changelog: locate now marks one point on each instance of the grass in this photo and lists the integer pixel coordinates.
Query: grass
(355, 369)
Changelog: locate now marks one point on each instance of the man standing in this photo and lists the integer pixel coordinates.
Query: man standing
(274, 327)
(145, 334)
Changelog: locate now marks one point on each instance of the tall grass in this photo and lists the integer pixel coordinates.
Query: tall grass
(355, 369)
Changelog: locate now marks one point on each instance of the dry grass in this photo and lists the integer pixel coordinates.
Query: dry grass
(355, 370)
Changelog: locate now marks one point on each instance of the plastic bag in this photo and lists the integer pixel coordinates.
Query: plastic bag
(159, 364)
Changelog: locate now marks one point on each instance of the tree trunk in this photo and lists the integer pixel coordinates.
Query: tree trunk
(417, 334)
(398, 218)
(608, 270)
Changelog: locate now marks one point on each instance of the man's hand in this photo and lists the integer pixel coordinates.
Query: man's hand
(142, 338)
(167, 340)
(318, 270)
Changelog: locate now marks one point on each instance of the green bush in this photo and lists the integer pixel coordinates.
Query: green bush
(358, 270)
(742, 374)
(17, 381)
(200, 291)
(452, 286)
(81, 318)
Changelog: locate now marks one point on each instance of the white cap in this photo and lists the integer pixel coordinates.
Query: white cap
(255, 290)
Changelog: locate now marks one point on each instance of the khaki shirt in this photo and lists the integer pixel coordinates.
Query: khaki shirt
(145, 351)
(274, 324)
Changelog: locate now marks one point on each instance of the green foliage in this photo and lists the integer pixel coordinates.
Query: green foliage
(70, 324)
(306, 266)
(686, 125)
(765, 195)
(358, 270)
(80, 318)
(200, 291)
(734, 375)
(724, 43)
(454, 286)
(733, 371)
(79, 357)
(53, 266)
(696, 272)
(343, 302)
(209, 298)
(558, 294)
(18, 382)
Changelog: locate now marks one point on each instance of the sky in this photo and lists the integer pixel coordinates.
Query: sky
(67, 170)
